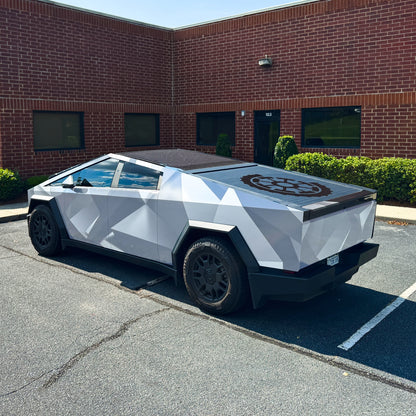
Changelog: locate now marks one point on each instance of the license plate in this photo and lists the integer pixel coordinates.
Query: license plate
(333, 260)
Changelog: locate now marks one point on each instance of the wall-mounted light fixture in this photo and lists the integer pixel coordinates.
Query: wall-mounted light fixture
(243, 113)
(266, 61)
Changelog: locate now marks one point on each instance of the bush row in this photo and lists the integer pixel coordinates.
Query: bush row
(393, 178)
(11, 185)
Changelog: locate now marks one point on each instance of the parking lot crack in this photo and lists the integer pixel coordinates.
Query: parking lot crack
(61, 371)
(16, 390)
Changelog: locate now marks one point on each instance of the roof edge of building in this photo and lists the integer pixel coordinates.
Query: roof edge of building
(267, 9)
(150, 25)
(107, 15)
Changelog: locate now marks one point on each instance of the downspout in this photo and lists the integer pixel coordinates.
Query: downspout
(173, 87)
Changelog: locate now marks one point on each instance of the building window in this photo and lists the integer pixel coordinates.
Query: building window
(58, 130)
(141, 129)
(331, 127)
(211, 125)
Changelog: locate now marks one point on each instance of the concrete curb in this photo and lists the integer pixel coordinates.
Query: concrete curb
(393, 213)
(13, 217)
(13, 212)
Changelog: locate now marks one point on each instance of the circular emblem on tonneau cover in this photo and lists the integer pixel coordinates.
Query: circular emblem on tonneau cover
(285, 186)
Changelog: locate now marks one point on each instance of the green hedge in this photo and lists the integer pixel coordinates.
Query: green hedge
(35, 180)
(394, 178)
(11, 185)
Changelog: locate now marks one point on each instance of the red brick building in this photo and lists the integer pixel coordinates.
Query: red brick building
(75, 84)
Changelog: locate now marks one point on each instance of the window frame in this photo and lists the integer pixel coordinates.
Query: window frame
(61, 180)
(115, 179)
(81, 131)
(120, 170)
(198, 127)
(328, 109)
(157, 129)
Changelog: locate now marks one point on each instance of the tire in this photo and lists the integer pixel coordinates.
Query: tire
(215, 276)
(44, 231)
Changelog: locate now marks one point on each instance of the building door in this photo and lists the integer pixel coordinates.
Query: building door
(266, 133)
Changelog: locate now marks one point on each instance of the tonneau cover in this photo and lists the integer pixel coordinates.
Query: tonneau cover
(315, 196)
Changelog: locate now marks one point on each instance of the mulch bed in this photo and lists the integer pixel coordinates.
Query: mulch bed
(21, 198)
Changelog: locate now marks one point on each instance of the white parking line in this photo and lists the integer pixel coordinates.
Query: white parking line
(351, 341)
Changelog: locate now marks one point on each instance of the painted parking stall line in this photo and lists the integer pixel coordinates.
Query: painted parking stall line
(350, 342)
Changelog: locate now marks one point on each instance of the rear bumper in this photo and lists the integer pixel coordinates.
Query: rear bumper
(311, 281)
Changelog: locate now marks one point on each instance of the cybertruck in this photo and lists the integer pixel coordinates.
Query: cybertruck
(232, 230)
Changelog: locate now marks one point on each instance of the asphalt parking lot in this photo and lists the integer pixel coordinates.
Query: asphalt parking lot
(84, 334)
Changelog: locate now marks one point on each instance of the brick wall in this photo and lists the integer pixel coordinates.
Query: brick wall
(390, 130)
(325, 53)
(60, 59)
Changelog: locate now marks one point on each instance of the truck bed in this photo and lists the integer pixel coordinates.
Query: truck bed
(312, 195)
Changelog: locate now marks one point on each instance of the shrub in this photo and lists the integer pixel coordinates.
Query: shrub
(10, 184)
(223, 147)
(394, 178)
(285, 147)
(35, 180)
(316, 164)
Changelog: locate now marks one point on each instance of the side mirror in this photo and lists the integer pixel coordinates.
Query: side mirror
(68, 182)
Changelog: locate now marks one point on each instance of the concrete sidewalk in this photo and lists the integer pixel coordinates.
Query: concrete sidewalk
(14, 212)
(393, 213)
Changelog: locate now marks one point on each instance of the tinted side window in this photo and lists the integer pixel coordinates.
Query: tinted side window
(98, 175)
(138, 177)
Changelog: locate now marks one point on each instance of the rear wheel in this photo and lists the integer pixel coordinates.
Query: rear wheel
(44, 231)
(215, 277)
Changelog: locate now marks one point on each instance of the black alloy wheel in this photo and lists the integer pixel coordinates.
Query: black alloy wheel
(215, 277)
(209, 277)
(44, 232)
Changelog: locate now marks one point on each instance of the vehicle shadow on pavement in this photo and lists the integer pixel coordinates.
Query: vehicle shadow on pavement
(319, 325)
(126, 274)
(323, 323)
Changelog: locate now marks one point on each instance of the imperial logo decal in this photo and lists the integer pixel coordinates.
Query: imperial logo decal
(285, 186)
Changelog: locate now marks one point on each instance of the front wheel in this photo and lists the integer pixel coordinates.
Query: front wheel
(215, 276)
(44, 231)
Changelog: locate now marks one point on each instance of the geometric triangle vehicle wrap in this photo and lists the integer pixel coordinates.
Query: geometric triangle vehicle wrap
(148, 222)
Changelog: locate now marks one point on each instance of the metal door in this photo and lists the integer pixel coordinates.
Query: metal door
(266, 133)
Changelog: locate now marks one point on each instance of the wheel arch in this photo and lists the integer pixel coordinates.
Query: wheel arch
(194, 230)
(51, 203)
